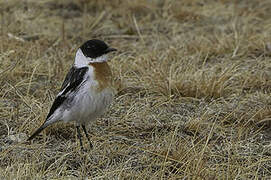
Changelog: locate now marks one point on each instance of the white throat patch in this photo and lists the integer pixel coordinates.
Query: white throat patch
(102, 58)
(82, 61)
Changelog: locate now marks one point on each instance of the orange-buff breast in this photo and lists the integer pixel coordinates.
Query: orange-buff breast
(102, 74)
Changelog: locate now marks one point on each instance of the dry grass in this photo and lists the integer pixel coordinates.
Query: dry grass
(194, 83)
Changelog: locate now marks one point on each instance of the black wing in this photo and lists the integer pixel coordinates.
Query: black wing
(72, 82)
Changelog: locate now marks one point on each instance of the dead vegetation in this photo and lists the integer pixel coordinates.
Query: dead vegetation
(193, 81)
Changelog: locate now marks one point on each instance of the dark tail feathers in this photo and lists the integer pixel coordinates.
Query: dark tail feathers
(36, 133)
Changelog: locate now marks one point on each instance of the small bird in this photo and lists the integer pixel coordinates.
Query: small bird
(87, 90)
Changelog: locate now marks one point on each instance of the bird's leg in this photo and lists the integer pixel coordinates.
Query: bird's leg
(84, 128)
(79, 137)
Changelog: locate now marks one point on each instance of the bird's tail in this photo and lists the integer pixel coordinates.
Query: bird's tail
(48, 121)
(37, 131)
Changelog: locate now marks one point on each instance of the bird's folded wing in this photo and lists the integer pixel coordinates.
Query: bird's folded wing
(73, 81)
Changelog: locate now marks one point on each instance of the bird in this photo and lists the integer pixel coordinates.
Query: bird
(87, 90)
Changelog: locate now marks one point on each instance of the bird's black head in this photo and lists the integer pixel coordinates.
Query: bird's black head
(95, 48)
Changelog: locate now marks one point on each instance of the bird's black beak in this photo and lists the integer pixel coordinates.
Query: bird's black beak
(110, 50)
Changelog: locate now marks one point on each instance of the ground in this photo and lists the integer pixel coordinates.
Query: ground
(193, 81)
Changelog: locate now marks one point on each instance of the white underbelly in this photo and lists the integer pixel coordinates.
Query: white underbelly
(88, 105)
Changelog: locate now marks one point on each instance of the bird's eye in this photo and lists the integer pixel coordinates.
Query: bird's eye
(90, 47)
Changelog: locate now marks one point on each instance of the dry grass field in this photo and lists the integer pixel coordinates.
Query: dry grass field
(193, 80)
